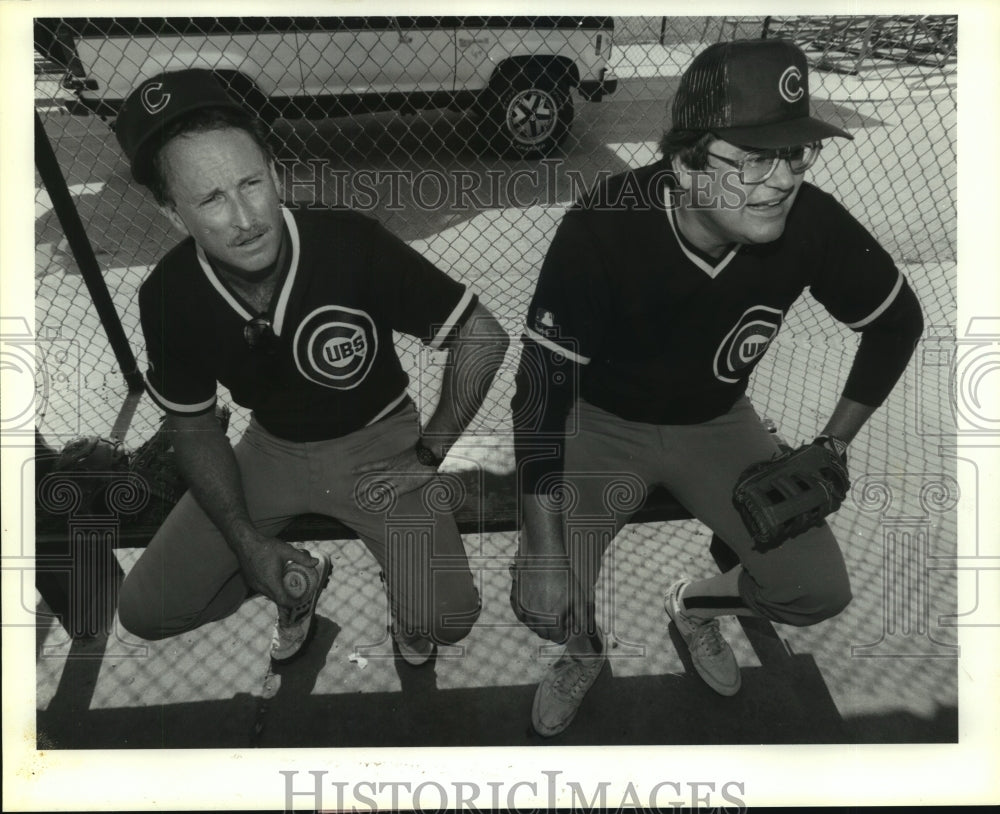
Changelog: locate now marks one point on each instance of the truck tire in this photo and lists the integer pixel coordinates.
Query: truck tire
(529, 115)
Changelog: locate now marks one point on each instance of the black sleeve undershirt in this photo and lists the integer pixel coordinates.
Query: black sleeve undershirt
(887, 343)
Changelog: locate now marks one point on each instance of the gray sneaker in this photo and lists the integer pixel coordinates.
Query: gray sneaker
(414, 648)
(561, 691)
(710, 653)
(294, 626)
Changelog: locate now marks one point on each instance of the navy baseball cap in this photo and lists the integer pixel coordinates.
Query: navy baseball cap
(160, 100)
(752, 93)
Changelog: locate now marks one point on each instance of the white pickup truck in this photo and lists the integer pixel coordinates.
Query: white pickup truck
(518, 72)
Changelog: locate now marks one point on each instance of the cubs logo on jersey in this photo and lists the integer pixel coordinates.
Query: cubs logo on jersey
(748, 340)
(336, 346)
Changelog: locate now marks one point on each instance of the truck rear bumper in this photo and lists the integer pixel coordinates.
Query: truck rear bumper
(595, 89)
(97, 107)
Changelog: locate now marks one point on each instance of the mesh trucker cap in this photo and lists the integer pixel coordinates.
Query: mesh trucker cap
(160, 100)
(752, 93)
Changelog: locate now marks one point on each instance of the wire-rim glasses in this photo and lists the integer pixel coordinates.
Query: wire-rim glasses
(757, 166)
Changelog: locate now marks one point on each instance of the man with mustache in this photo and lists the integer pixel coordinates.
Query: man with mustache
(659, 294)
(293, 311)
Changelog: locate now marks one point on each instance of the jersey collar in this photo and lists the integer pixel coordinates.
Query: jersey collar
(712, 267)
(286, 285)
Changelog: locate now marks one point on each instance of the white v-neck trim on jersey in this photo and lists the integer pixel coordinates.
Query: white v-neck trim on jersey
(286, 287)
(712, 270)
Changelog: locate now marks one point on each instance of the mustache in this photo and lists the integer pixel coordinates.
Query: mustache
(256, 230)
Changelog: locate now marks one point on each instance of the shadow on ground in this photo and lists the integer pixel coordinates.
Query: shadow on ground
(783, 701)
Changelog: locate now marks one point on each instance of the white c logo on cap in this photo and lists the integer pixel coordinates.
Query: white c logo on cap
(148, 103)
(790, 84)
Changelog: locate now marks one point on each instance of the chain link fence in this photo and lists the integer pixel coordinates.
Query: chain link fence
(468, 138)
(413, 142)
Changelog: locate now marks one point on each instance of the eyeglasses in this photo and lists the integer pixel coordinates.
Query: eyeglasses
(757, 167)
(259, 335)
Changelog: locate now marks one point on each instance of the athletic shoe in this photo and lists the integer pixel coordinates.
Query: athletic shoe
(414, 648)
(561, 691)
(710, 653)
(294, 627)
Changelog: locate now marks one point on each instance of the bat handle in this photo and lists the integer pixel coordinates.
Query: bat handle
(297, 579)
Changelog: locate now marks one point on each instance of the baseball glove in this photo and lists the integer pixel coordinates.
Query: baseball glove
(92, 463)
(154, 462)
(104, 459)
(92, 454)
(792, 492)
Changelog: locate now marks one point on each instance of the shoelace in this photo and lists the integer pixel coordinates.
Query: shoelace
(706, 634)
(709, 637)
(578, 680)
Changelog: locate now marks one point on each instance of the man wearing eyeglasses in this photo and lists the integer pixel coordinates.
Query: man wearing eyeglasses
(659, 294)
(293, 310)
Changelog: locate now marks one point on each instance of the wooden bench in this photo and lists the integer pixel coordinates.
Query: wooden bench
(489, 505)
(79, 576)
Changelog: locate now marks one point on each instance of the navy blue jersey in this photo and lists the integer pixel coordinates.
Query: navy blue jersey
(631, 316)
(333, 368)
(667, 334)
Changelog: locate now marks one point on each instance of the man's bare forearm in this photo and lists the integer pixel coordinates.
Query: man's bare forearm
(477, 354)
(208, 464)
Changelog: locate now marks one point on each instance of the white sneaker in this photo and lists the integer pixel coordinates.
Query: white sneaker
(710, 653)
(562, 689)
(294, 626)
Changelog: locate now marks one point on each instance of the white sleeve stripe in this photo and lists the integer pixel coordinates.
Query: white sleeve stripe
(547, 343)
(883, 307)
(449, 323)
(173, 405)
